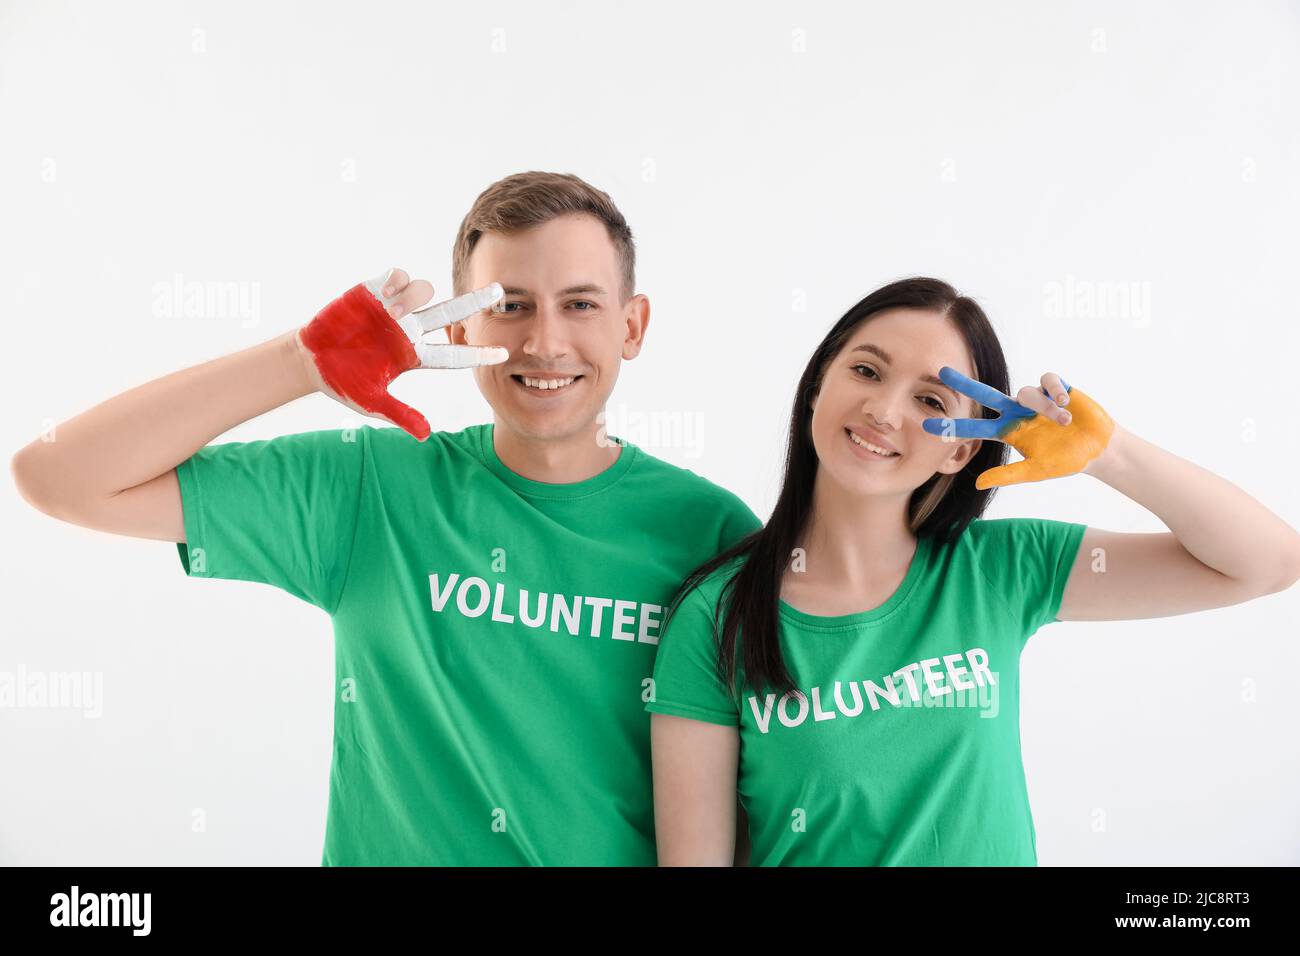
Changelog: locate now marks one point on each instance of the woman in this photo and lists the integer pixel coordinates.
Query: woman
(850, 671)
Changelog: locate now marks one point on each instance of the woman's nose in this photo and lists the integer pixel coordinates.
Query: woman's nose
(882, 411)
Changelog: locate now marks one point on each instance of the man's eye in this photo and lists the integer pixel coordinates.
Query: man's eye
(507, 306)
(857, 369)
(591, 305)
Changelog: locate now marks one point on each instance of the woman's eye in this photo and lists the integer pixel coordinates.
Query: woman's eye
(870, 374)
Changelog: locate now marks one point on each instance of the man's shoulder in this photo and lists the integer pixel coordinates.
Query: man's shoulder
(396, 441)
(691, 486)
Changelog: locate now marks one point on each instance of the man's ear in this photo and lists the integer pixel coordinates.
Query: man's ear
(636, 314)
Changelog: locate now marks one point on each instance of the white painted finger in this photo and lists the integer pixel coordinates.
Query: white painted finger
(411, 326)
(376, 285)
(455, 310)
(459, 356)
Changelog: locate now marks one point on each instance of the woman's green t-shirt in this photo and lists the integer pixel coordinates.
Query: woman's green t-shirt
(902, 747)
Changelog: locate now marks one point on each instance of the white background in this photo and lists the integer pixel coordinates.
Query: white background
(776, 162)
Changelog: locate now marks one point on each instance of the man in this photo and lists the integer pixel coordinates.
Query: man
(496, 592)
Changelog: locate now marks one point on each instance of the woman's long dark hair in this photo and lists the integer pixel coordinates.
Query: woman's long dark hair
(941, 508)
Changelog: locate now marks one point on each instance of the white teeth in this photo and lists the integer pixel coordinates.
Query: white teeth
(876, 448)
(546, 384)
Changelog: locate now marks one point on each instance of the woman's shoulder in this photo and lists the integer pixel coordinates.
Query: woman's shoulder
(710, 587)
(700, 597)
(1001, 531)
(1016, 546)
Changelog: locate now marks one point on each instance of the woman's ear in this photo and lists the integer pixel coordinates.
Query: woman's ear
(961, 456)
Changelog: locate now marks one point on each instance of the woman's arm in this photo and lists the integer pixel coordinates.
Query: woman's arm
(1224, 547)
(743, 845)
(695, 791)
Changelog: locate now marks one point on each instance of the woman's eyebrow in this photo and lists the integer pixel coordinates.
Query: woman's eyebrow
(939, 382)
(868, 347)
(884, 357)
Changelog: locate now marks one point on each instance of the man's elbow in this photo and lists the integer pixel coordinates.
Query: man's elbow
(33, 476)
(27, 477)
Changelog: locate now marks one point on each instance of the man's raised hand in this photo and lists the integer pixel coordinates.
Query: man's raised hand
(374, 332)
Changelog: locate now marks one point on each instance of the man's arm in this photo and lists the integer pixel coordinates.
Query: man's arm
(112, 468)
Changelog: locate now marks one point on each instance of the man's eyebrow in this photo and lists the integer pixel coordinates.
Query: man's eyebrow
(590, 288)
(884, 357)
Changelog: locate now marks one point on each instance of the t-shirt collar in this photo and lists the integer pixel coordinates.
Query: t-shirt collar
(628, 453)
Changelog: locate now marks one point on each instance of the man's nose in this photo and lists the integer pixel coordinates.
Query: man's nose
(547, 334)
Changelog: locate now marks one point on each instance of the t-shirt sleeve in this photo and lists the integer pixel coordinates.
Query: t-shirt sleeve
(686, 682)
(281, 511)
(1028, 561)
(738, 522)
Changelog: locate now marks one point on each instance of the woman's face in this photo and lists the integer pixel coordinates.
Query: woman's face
(878, 390)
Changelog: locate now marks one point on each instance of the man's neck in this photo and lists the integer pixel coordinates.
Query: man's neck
(556, 461)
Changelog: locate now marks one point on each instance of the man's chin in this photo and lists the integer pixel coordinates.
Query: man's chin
(546, 424)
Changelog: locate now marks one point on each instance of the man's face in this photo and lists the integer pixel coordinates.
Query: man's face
(878, 390)
(564, 325)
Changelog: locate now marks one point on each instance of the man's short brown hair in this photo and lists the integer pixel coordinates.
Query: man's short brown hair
(530, 199)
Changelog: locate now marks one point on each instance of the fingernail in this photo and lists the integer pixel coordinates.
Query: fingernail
(1063, 399)
(1065, 418)
(395, 310)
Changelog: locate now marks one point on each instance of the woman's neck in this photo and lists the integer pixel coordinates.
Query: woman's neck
(856, 552)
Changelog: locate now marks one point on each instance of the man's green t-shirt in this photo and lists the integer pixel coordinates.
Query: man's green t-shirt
(903, 746)
(494, 636)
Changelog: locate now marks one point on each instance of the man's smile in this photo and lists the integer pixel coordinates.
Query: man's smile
(546, 384)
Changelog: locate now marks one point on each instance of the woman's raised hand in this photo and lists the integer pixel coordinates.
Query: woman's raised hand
(1054, 442)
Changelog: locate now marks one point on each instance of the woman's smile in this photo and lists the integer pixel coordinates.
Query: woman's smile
(868, 448)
